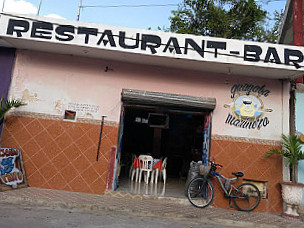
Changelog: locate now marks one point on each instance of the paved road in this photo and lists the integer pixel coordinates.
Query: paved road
(14, 216)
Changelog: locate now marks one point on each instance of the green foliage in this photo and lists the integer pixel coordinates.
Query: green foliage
(237, 19)
(292, 150)
(271, 34)
(6, 105)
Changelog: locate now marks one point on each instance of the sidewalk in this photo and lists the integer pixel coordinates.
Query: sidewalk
(142, 205)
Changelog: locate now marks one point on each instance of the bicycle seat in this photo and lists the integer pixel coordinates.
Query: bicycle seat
(238, 174)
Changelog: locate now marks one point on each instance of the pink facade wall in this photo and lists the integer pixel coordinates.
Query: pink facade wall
(50, 83)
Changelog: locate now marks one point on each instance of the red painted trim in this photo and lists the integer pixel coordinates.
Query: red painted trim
(111, 168)
(299, 80)
(297, 12)
(297, 9)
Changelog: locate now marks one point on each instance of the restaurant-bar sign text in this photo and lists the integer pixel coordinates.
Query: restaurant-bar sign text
(153, 43)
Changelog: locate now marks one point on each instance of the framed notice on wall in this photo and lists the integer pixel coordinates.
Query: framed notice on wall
(262, 186)
(12, 174)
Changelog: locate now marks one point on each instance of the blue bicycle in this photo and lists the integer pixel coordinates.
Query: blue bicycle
(200, 192)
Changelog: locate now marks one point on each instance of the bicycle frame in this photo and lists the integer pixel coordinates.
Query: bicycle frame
(218, 175)
(230, 188)
(201, 191)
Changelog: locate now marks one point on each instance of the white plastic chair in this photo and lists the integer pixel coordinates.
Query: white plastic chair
(155, 172)
(134, 170)
(145, 165)
(163, 170)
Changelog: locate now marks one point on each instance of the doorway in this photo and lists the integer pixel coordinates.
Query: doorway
(161, 132)
(163, 125)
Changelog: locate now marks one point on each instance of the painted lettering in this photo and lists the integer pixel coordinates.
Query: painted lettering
(216, 45)
(252, 53)
(42, 30)
(154, 44)
(247, 123)
(150, 41)
(293, 56)
(173, 46)
(194, 45)
(17, 26)
(12, 177)
(87, 32)
(272, 52)
(122, 41)
(110, 38)
(6, 152)
(248, 88)
(65, 33)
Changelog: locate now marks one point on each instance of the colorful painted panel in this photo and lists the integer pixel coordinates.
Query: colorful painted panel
(11, 168)
(206, 142)
(247, 108)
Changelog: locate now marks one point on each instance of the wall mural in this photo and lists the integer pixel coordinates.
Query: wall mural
(10, 168)
(247, 108)
(206, 142)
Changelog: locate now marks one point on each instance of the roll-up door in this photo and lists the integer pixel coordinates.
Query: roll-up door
(175, 101)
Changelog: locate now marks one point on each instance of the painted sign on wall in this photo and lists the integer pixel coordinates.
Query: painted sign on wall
(82, 107)
(247, 108)
(10, 172)
(152, 43)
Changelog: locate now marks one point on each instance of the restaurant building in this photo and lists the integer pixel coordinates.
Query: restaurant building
(96, 94)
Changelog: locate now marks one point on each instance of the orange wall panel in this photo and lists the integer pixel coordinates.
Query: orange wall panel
(248, 158)
(61, 154)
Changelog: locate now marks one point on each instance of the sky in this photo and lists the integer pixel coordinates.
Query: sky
(112, 12)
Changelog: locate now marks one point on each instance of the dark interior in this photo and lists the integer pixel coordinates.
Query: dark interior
(174, 134)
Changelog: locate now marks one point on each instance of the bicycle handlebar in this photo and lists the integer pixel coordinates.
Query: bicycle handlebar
(213, 163)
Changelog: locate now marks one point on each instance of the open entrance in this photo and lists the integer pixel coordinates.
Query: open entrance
(180, 134)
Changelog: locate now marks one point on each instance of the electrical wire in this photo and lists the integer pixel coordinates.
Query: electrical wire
(117, 6)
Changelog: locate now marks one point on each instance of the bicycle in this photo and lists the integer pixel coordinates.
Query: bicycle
(200, 191)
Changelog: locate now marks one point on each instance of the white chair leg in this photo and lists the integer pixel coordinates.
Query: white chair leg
(164, 175)
(146, 189)
(137, 174)
(132, 175)
(145, 177)
(152, 176)
(130, 171)
(155, 189)
(156, 176)
(138, 188)
(152, 192)
(164, 190)
(140, 173)
(132, 187)
(148, 175)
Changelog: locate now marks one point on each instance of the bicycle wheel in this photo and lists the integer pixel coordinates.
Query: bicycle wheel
(200, 192)
(246, 197)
